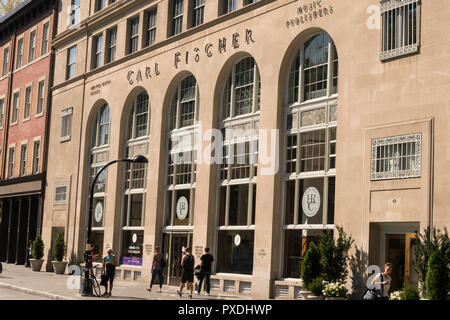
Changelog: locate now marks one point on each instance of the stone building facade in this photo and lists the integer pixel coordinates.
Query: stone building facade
(330, 113)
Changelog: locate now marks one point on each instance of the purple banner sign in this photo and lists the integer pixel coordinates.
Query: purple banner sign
(131, 261)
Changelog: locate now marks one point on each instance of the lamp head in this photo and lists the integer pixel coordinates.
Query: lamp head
(140, 159)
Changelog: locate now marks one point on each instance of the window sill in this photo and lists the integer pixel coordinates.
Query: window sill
(39, 115)
(64, 139)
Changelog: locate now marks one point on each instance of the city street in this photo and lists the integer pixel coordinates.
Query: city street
(20, 283)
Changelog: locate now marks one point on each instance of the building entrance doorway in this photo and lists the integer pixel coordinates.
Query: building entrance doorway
(173, 250)
(399, 251)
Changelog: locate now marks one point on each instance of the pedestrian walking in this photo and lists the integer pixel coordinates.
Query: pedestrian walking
(157, 269)
(187, 273)
(384, 280)
(109, 269)
(29, 253)
(206, 262)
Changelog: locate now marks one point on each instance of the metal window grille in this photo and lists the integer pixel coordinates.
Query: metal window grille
(396, 157)
(400, 23)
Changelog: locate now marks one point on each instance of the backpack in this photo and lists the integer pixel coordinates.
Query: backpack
(163, 263)
(373, 293)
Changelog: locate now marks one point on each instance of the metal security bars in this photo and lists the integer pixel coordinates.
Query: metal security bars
(396, 157)
(400, 25)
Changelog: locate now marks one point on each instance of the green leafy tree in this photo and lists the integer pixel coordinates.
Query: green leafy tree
(38, 248)
(8, 5)
(59, 247)
(335, 255)
(436, 281)
(431, 240)
(311, 267)
(316, 286)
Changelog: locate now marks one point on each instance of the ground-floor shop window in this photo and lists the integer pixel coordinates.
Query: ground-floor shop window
(97, 239)
(235, 251)
(132, 244)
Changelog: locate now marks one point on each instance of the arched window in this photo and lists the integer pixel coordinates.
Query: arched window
(238, 171)
(310, 148)
(181, 174)
(99, 156)
(134, 189)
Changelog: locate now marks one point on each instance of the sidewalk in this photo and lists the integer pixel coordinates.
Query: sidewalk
(52, 286)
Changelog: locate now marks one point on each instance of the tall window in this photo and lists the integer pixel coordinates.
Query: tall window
(74, 12)
(45, 38)
(27, 108)
(71, 62)
(198, 12)
(19, 53)
(310, 149)
(32, 48)
(99, 4)
(314, 71)
(238, 172)
(40, 99)
(36, 156)
(228, 6)
(177, 16)
(99, 156)
(66, 124)
(97, 49)
(400, 27)
(15, 108)
(133, 35)
(150, 34)
(5, 61)
(133, 203)
(2, 112)
(11, 162)
(111, 35)
(23, 159)
(182, 155)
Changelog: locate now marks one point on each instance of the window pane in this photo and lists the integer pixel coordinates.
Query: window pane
(238, 204)
(311, 201)
(290, 202)
(232, 258)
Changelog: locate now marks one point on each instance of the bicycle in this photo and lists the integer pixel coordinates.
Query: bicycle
(93, 282)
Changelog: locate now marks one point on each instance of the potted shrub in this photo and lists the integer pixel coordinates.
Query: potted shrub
(408, 292)
(335, 291)
(58, 254)
(316, 286)
(311, 269)
(37, 253)
(436, 281)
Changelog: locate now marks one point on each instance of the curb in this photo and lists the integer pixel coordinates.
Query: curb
(34, 292)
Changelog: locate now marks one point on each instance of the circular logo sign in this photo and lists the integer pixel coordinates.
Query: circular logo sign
(311, 202)
(99, 212)
(182, 208)
(134, 239)
(237, 240)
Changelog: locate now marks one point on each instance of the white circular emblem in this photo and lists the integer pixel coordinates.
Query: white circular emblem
(311, 202)
(237, 240)
(182, 208)
(134, 237)
(99, 212)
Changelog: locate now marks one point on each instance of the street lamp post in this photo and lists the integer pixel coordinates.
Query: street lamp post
(87, 288)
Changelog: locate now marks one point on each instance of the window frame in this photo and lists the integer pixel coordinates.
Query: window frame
(23, 159)
(45, 37)
(20, 52)
(41, 94)
(111, 47)
(15, 108)
(11, 160)
(64, 201)
(32, 46)
(36, 156)
(28, 104)
(66, 124)
(176, 21)
(5, 65)
(71, 65)
(97, 51)
(133, 35)
(151, 16)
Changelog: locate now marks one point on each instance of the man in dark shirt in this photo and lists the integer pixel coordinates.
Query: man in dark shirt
(206, 262)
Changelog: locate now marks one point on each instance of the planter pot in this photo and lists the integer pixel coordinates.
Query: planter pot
(335, 298)
(59, 266)
(36, 264)
(308, 295)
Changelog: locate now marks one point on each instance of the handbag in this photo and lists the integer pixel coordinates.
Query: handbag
(103, 281)
(198, 272)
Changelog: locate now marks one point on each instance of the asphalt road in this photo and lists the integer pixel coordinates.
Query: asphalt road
(6, 294)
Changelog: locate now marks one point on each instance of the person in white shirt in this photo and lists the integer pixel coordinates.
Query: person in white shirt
(386, 283)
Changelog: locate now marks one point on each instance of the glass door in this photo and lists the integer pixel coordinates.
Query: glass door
(173, 250)
(411, 277)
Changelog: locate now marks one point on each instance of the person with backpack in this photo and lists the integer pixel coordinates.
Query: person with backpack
(384, 280)
(187, 273)
(157, 269)
(206, 262)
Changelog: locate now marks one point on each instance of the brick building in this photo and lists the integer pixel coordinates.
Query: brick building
(25, 81)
